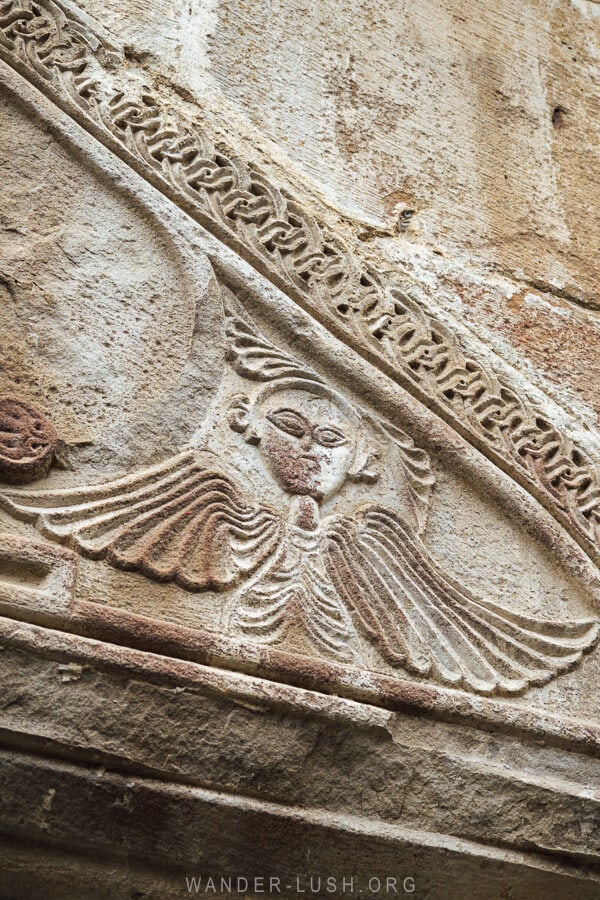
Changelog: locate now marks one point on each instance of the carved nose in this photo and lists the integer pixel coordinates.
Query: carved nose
(306, 442)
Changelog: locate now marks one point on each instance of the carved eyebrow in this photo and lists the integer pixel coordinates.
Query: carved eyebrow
(287, 409)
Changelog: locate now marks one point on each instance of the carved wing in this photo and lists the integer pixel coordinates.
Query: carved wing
(421, 619)
(175, 522)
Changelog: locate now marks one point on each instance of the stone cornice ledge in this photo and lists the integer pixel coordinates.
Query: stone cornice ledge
(386, 322)
(176, 654)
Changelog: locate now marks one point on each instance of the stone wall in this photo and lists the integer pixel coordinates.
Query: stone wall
(299, 489)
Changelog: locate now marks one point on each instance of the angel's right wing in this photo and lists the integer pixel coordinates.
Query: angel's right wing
(176, 521)
(420, 618)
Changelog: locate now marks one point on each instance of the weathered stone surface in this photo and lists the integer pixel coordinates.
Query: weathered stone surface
(301, 755)
(309, 302)
(480, 119)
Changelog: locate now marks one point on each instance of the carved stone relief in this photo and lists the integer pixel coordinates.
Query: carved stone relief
(28, 442)
(294, 518)
(388, 323)
(300, 577)
(302, 557)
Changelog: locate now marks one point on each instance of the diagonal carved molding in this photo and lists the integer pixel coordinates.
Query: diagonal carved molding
(385, 321)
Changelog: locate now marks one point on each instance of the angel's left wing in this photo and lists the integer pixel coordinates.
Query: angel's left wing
(177, 521)
(421, 619)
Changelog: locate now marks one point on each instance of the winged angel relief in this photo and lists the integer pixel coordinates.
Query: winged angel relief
(334, 578)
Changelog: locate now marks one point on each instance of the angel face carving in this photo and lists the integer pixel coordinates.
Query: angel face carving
(336, 579)
(306, 441)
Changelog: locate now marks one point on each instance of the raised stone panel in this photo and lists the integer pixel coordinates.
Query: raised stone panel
(35, 578)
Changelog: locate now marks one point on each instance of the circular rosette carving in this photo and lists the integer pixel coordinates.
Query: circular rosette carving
(28, 442)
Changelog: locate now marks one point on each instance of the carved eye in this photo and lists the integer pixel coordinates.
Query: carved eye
(328, 436)
(289, 421)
